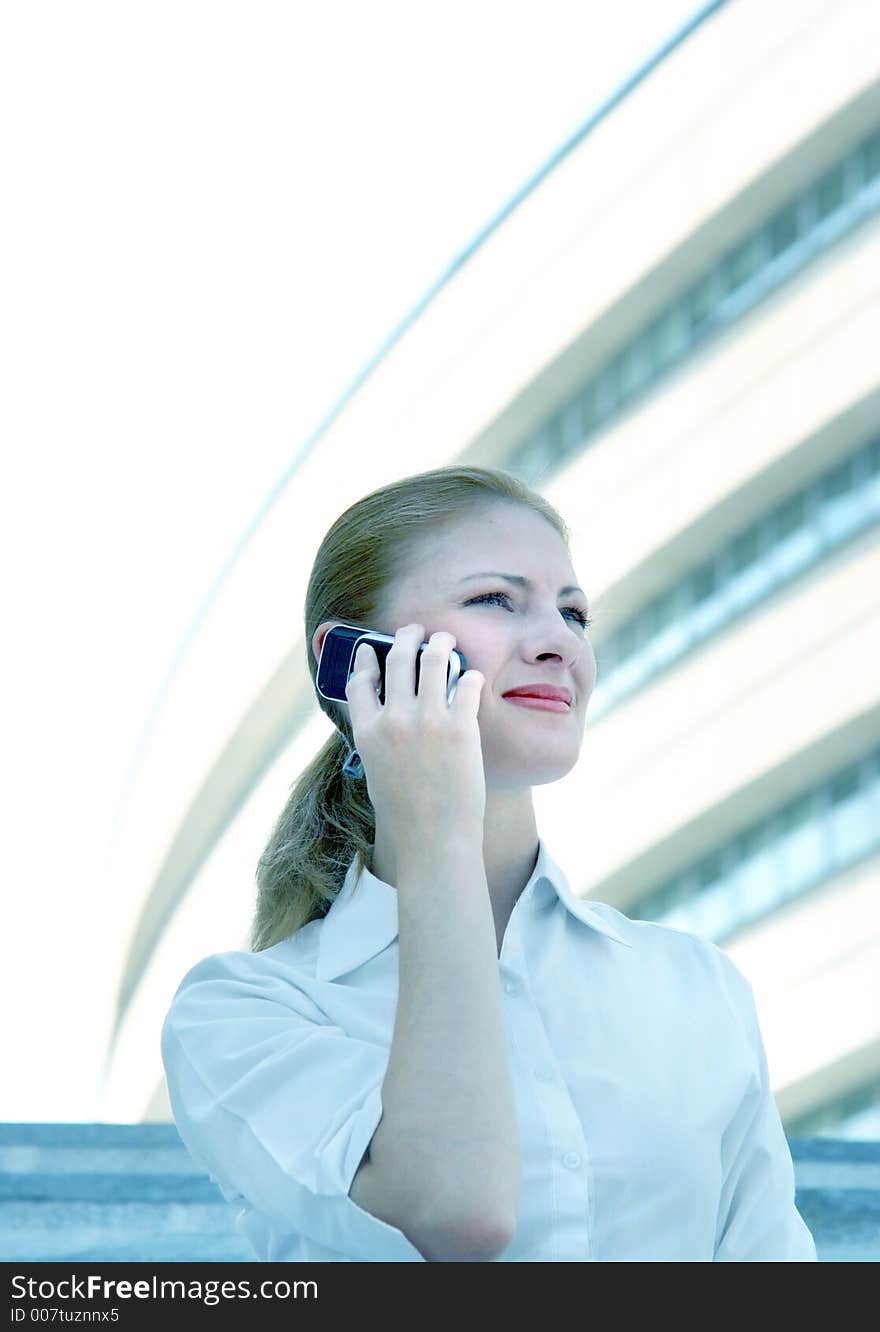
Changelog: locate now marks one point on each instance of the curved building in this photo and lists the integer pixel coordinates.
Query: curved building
(672, 333)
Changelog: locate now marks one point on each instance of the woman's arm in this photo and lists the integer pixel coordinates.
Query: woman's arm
(444, 1163)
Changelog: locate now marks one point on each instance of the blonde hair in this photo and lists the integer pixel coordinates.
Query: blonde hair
(328, 817)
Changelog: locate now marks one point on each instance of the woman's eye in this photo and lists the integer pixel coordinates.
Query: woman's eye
(489, 596)
(581, 616)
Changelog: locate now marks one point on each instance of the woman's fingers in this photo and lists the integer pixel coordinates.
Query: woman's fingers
(361, 687)
(400, 685)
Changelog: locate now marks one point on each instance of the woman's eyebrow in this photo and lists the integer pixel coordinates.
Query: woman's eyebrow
(519, 580)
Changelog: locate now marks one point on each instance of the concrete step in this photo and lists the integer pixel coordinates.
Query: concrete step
(132, 1193)
(112, 1193)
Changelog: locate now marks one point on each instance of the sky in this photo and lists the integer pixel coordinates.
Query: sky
(215, 216)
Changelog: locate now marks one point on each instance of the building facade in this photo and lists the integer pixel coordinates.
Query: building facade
(672, 333)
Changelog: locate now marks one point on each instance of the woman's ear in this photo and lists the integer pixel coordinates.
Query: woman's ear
(320, 634)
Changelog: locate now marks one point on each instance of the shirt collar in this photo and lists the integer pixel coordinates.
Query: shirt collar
(363, 918)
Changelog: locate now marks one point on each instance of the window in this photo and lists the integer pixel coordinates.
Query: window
(783, 229)
(838, 482)
(704, 582)
(587, 408)
(871, 157)
(744, 550)
(635, 367)
(606, 390)
(700, 305)
(790, 516)
(829, 193)
(572, 426)
(874, 457)
(741, 263)
(667, 337)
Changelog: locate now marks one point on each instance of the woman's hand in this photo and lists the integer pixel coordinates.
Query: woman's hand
(422, 756)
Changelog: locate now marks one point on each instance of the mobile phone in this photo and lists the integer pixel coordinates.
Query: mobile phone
(336, 662)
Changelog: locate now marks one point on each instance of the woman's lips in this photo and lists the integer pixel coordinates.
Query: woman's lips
(543, 704)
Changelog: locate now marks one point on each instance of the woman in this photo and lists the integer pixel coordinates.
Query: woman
(436, 1051)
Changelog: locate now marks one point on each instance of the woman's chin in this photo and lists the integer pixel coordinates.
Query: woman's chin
(532, 767)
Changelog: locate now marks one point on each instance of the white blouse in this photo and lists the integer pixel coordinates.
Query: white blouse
(649, 1131)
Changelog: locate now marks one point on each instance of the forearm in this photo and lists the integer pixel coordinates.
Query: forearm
(449, 1138)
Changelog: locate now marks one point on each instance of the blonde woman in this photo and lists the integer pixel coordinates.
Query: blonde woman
(434, 1050)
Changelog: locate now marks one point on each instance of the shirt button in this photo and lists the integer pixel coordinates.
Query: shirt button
(572, 1160)
(511, 987)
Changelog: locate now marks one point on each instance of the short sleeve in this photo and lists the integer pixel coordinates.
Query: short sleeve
(275, 1105)
(757, 1217)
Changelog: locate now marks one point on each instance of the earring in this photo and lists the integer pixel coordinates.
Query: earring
(353, 766)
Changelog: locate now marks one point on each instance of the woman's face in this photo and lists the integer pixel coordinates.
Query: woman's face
(514, 635)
